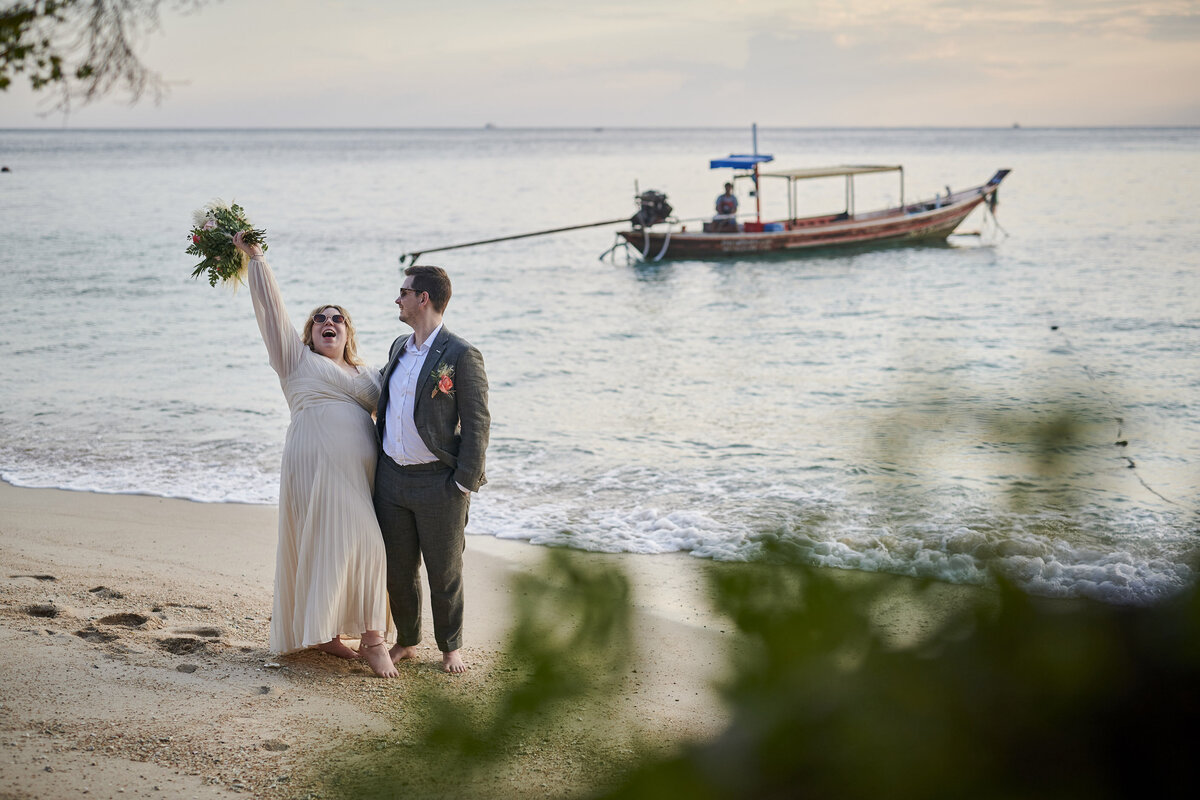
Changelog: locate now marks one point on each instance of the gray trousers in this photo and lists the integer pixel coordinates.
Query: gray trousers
(422, 513)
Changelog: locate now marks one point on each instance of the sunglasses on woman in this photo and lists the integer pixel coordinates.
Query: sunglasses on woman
(336, 319)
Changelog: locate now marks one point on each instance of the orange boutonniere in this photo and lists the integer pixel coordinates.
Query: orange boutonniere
(444, 377)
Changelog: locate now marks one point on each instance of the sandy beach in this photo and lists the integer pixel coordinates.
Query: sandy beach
(135, 663)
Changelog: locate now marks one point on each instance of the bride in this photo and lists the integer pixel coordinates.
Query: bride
(330, 570)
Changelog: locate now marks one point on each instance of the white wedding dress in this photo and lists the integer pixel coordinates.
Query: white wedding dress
(330, 570)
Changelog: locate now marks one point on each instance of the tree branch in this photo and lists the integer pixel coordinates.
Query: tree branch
(81, 50)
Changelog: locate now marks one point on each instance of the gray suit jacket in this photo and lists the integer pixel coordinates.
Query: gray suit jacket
(454, 426)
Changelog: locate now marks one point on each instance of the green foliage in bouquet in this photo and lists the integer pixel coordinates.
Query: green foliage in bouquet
(212, 239)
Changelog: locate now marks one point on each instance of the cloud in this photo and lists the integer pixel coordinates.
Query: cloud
(1175, 28)
(670, 62)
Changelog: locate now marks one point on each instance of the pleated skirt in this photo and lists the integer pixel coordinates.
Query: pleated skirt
(330, 570)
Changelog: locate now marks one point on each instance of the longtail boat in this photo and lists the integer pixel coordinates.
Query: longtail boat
(653, 230)
(921, 221)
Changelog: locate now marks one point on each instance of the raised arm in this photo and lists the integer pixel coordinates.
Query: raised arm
(284, 346)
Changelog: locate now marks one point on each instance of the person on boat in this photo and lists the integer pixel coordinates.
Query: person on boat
(727, 205)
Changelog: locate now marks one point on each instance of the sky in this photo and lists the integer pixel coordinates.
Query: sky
(655, 63)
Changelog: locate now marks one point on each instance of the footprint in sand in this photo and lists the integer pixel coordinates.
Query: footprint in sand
(91, 634)
(182, 645)
(36, 577)
(125, 620)
(106, 593)
(44, 610)
(210, 633)
(164, 606)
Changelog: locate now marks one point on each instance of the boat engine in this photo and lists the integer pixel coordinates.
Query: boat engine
(654, 209)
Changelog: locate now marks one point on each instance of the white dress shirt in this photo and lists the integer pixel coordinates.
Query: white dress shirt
(401, 441)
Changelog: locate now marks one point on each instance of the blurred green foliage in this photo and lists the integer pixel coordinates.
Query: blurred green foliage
(1024, 698)
(569, 640)
(568, 646)
(1012, 696)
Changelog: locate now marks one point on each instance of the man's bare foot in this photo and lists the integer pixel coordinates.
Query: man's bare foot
(335, 647)
(378, 658)
(452, 662)
(400, 652)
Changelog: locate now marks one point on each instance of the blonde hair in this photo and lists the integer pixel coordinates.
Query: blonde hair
(350, 354)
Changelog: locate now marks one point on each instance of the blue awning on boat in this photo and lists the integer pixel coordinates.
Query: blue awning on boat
(739, 161)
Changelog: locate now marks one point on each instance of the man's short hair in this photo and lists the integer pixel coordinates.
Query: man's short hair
(433, 280)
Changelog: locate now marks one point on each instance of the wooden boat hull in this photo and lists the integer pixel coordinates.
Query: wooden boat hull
(918, 222)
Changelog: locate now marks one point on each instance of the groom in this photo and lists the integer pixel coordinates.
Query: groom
(433, 427)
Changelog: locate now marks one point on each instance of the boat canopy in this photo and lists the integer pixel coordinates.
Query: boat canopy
(846, 171)
(828, 172)
(739, 161)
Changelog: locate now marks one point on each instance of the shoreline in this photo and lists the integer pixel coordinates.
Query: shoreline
(135, 632)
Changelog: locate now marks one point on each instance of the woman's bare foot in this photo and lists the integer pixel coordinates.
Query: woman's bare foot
(401, 652)
(379, 660)
(335, 647)
(452, 662)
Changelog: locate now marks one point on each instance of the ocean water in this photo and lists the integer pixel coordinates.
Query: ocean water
(934, 411)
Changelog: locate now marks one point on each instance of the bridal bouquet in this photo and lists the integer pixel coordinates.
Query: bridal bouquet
(212, 239)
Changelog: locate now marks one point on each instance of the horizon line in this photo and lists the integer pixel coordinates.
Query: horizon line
(595, 128)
